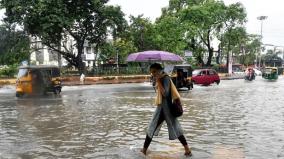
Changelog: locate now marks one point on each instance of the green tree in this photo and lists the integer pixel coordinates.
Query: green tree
(14, 45)
(251, 49)
(141, 32)
(120, 47)
(177, 5)
(124, 48)
(206, 21)
(169, 35)
(173, 33)
(271, 58)
(57, 21)
(234, 40)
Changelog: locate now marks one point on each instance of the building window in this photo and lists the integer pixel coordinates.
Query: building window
(53, 55)
(89, 50)
(39, 56)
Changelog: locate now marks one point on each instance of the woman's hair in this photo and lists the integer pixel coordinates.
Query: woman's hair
(156, 66)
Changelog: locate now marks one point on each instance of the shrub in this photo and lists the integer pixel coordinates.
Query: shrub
(9, 71)
(216, 67)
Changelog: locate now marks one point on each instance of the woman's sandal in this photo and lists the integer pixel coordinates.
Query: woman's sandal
(143, 151)
(188, 154)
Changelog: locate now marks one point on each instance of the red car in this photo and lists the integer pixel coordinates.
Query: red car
(205, 77)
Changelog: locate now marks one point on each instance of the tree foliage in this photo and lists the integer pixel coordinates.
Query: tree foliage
(55, 21)
(120, 47)
(271, 58)
(251, 49)
(169, 34)
(141, 32)
(14, 45)
(207, 21)
(195, 25)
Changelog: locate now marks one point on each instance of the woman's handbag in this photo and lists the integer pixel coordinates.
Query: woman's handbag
(175, 105)
(176, 108)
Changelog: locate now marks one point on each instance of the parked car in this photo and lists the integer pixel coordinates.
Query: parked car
(205, 77)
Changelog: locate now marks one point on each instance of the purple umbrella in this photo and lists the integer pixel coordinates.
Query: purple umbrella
(153, 55)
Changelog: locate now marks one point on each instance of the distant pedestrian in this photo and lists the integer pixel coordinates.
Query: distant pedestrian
(82, 78)
(162, 112)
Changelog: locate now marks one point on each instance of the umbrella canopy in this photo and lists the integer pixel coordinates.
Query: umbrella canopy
(153, 55)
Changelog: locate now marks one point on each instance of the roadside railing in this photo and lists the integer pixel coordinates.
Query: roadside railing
(107, 71)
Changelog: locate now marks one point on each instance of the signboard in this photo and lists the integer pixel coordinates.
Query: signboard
(187, 53)
(88, 57)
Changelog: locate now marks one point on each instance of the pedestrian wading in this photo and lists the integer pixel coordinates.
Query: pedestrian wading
(163, 111)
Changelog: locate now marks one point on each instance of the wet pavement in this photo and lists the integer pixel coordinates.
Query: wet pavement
(236, 119)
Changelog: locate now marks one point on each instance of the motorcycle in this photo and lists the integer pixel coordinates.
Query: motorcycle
(250, 75)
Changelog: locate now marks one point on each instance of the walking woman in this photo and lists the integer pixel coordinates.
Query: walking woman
(162, 113)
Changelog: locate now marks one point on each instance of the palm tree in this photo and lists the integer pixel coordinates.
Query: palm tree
(272, 59)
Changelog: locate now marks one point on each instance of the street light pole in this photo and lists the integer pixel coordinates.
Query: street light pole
(261, 18)
(117, 62)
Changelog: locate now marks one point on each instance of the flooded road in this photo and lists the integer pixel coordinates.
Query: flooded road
(236, 119)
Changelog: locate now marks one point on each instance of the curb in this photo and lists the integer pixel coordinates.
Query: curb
(75, 80)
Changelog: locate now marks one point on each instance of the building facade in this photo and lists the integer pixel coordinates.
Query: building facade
(43, 55)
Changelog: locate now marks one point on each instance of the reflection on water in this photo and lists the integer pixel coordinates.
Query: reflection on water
(236, 119)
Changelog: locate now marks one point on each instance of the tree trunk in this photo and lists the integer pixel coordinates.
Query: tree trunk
(227, 62)
(219, 55)
(96, 55)
(79, 60)
(200, 60)
(193, 46)
(210, 50)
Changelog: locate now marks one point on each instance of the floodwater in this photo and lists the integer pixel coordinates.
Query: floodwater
(236, 119)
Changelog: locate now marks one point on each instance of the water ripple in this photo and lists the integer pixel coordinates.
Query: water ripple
(236, 119)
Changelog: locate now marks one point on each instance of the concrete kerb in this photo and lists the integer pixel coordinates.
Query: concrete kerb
(226, 76)
(105, 80)
(75, 80)
(7, 81)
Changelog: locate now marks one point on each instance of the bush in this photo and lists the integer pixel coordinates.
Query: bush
(8, 72)
(216, 67)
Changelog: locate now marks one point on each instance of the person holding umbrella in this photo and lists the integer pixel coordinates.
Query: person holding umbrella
(162, 112)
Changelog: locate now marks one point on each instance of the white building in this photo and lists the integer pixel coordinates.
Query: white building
(43, 55)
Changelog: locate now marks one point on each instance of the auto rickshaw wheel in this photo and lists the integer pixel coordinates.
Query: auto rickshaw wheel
(44, 93)
(19, 94)
(217, 82)
(190, 86)
(57, 91)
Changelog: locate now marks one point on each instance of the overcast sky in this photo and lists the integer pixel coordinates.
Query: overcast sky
(273, 26)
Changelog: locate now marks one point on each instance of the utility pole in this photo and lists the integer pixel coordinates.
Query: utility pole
(261, 18)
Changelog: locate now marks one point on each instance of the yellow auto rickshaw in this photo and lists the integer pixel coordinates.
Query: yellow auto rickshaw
(38, 80)
(181, 76)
